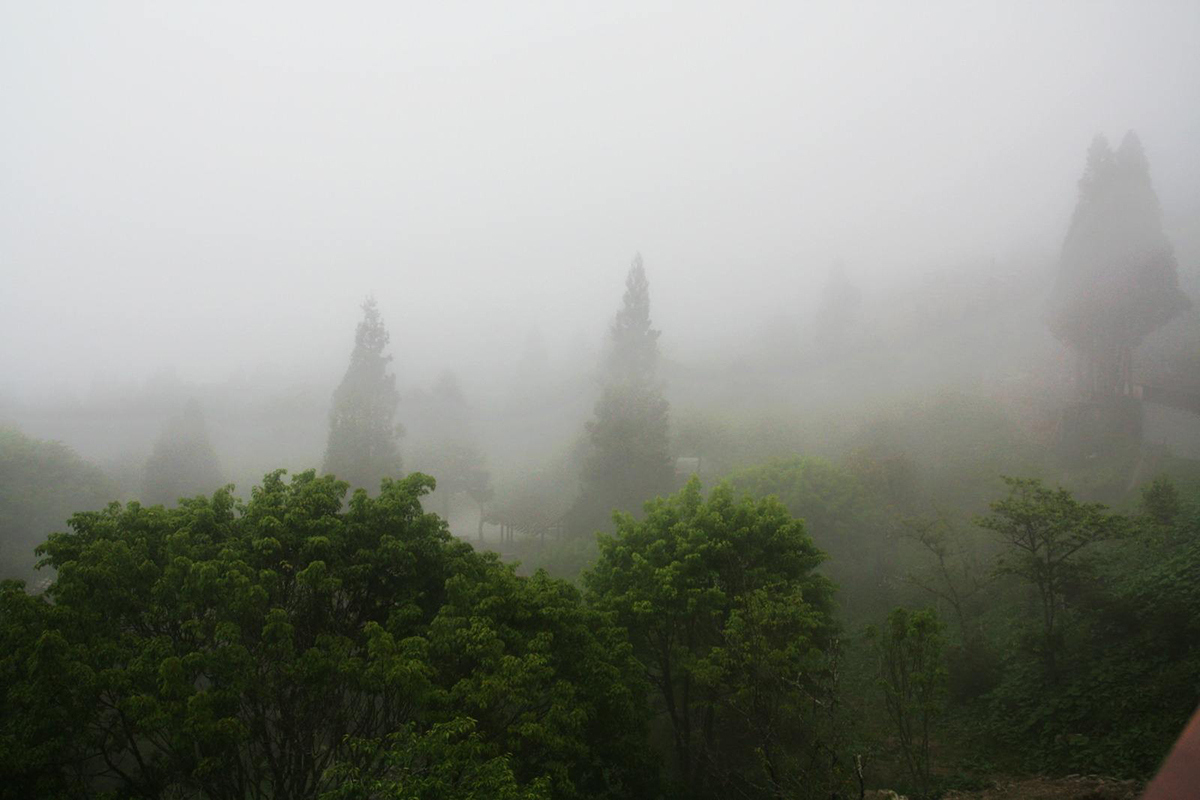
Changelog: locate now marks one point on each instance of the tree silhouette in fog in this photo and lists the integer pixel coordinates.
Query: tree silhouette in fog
(1117, 277)
(182, 463)
(448, 448)
(363, 444)
(629, 461)
(41, 484)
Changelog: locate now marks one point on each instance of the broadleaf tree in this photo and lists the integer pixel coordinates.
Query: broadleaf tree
(733, 629)
(296, 646)
(1046, 534)
(911, 673)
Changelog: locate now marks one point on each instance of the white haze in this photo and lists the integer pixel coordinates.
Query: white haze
(214, 187)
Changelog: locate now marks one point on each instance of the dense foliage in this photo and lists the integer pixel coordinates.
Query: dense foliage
(911, 673)
(1047, 535)
(300, 645)
(1124, 646)
(286, 648)
(843, 517)
(734, 631)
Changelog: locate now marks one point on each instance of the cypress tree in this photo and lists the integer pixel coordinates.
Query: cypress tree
(630, 460)
(1118, 278)
(363, 444)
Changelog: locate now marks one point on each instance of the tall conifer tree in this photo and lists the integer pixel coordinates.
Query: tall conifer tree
(363, 442)
(1117, 278)
(630, 460)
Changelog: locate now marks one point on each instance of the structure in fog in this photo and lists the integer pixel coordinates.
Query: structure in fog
(364, 438)
(1117, 277)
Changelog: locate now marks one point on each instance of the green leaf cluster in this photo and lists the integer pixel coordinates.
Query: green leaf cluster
(1128, 648)
(843, 518)
(295, 646)
(732, 627)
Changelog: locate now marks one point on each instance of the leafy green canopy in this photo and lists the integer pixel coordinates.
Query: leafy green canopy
(1046, 534)
(842, 516)
(286, 648)
(834, 503)
(911, 673)
(732, 627)
(363, 436)
(1118, 602)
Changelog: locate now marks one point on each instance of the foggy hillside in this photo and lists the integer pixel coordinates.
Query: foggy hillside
(597, 400)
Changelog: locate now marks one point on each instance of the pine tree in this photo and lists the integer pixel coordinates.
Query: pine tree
(630, 460)
(632, 357)
(182, 463)
(363, 436)
(1117, 278)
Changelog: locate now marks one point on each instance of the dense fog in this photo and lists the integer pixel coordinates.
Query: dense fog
(884, 261)
(196, 201)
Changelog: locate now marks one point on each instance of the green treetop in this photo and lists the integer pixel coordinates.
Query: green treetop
(1046, 534)
(298, 646)
(732, 627)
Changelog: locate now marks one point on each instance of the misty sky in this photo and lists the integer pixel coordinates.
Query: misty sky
(217, 185)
